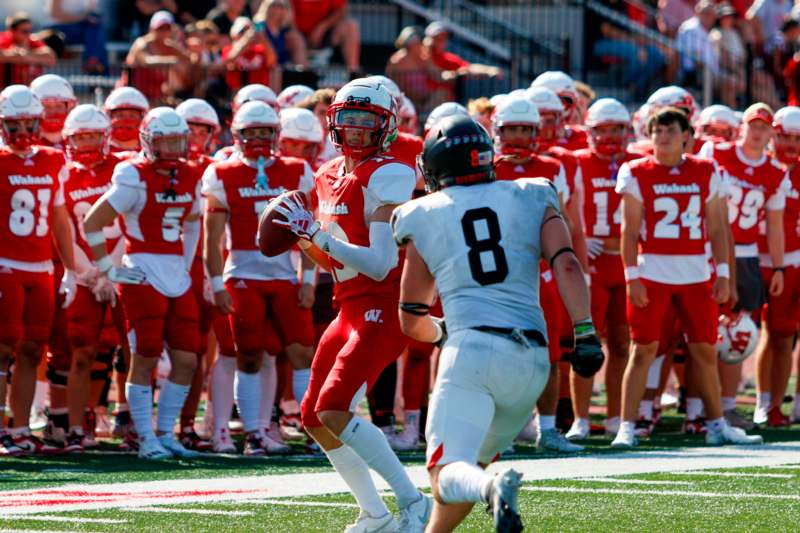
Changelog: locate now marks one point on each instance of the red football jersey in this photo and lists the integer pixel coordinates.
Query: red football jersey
(570, 162)
(602, 207)
(235, 183)
(406, 148)
(83, 188)
(29, 190)
(575, 138)
(674, 201)
(538, 166)
(154, 207)
(791, 213)
(751, 186)
(347, 200)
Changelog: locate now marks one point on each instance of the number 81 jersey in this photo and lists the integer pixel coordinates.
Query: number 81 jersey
(482, 244)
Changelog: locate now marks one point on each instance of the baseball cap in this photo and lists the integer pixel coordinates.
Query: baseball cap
(161, 18)
(758, 111)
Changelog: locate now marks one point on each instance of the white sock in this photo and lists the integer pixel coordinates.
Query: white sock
(170, 403)
(728, 403)
(764, 399)
(546, 422)
(269, 388)
(627, 426)
(462, 482)
(716, 425)
(654, 372)
(612, 424)
(355, 472)
(646, 409)
(694, 408)
(140, 401)
(300, 379)
(222, 377)
(247, 389)
(369, 442)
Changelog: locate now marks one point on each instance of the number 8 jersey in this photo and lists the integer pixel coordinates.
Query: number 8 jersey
(482, 244)
(672, 246)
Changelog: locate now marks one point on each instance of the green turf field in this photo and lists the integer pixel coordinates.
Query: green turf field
(709, 498)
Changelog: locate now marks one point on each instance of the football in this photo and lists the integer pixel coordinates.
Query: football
(273, 239)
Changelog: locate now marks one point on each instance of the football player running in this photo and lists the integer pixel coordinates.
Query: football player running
(675, 199)
(158, 196)
(357, 193)
(494, 363)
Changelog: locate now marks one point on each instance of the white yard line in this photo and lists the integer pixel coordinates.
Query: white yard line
(54, 518)
(75, 497)
(735, 474)
(185, 511)
(630, 492)
(294, 503)
(633, 481)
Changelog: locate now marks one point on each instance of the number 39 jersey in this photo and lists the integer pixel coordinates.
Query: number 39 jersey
(346, 202)
(29, 189)
(153, 209)
(673, 238)
(487, 264)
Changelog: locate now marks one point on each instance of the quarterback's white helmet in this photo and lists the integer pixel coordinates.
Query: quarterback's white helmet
(255, 114)
(348, 112)
(390, 85)
(86, 118)
(255, 91)
(736, 338)
(164, 136)
(293, 95)
(446, 109)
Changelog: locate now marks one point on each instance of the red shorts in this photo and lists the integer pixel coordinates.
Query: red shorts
(782, 312)
(153, 319)
(361, 341)
(548, 296)
(693, 303)
(26, 306)
(258, 302)
(87, 319)
(608, 292)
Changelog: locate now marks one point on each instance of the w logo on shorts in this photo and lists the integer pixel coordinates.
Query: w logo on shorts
(373, 315)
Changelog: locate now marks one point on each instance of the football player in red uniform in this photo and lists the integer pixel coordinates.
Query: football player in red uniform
(671, 96)
(253, 288)
(675, 199)
(718, 123)
(126, 107)
(756, 193)
(90, 168)
(774, 357)
(248, 93)
(32, 203)
(356, 194)
(570, 135)
(301, 135)
(58, 99)
(158, 196)
(609, 130)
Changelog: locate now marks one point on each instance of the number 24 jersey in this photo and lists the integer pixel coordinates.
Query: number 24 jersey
(482, 244)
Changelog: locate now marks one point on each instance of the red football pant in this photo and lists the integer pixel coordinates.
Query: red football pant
(26, 306)
(608, 292)
(416, 375)
(361, 341)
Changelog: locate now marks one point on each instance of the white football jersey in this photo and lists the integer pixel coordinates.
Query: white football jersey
(482, 244)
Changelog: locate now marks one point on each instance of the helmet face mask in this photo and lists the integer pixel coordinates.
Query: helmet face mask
(125, 124)
(20, 133)
(200, 136)
(358, 131)
(610, 139)
(55, 114)
(164, 136)
(517, 140)
(717, 130)
(86, 147)
(549, 124)
(256, 141)
(306, 150)
(787, 146)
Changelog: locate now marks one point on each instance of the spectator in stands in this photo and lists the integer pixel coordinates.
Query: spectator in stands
(729, 47)
(324, 24)
(766, 18)
(249, 58)
(79, 21)
(288, 43)
(783, 55)
(481, 110)
(202, 45)
(226, 13)
(22, 57)
(158, 63)
(673, 13)
(139, 12)
(437, 37)
(193, 10)
(639, 61)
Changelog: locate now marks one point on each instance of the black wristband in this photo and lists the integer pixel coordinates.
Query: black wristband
(778, 269)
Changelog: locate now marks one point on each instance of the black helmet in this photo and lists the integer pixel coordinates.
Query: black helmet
(457, 151)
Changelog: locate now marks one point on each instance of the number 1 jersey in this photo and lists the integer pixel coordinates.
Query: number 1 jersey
(482, 244)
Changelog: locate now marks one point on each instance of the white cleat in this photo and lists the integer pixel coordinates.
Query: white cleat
(406, 440)
(414, 516)
(554, 441)
(502, 499)
(626, 438)
(222, 443)
(152, 449)
(731, 435)
(272, 446)
(368, 524)
(579, 429)
(174, 446)
(760, 416)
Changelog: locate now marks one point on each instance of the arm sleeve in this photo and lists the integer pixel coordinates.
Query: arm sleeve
(626, 183)
(126, 188)
(212, 186)
(402, 223)
(390, 184)
(374, 261)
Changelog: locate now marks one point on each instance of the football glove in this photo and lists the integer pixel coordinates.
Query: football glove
(594, 247)
(588, 356)
(68, 287)
(299, 220)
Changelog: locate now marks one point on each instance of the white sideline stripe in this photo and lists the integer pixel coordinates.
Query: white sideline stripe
(734, 495)
(633, 481)
(304, 504)
(37, 530)
(53, 518)
(73, 497)
(735, 474)
(185, 511)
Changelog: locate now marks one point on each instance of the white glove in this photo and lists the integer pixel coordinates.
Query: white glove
(126, 275)
(299, 220)
(104, 291)
(208, 291)
(68, 287)
(594, 247)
